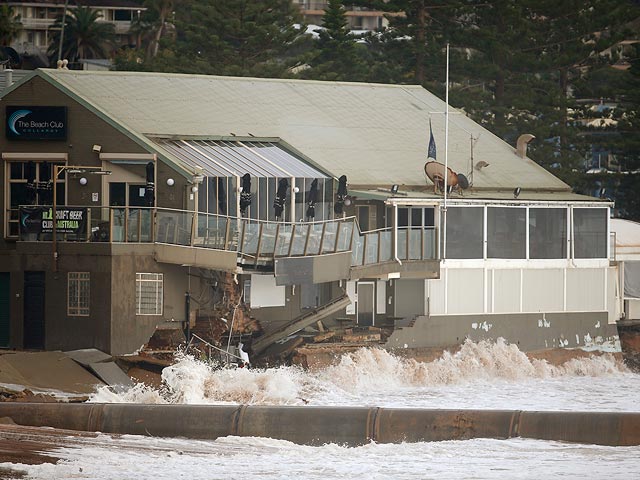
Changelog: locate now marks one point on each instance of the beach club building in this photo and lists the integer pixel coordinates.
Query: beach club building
(313, 196)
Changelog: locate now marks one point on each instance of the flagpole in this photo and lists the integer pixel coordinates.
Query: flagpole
(446, 162)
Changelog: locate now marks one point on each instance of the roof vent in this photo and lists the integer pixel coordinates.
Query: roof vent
(521, 144)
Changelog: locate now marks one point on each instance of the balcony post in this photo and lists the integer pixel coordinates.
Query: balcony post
(259, 244)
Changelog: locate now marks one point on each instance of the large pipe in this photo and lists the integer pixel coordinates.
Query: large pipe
(320, 425)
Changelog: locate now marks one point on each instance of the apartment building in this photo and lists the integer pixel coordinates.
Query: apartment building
(38, 17)
(359, 18)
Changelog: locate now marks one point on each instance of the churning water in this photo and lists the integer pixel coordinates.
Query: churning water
(479, 375)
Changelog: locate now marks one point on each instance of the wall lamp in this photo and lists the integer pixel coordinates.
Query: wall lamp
(171, 182)
(83, 180)
(97, 148)
(197, 179)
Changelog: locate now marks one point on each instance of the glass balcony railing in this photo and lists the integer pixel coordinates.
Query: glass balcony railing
(254, 241)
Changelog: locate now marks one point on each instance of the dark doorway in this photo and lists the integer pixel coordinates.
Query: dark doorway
(365, 303)
(4, 310)
(34, 310)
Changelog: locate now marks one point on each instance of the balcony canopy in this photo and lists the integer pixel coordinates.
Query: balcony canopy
(222, 158)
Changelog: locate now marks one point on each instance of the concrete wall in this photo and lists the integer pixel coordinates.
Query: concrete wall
(530, 331)
(62, 332)
(128, 330)
(112, 325)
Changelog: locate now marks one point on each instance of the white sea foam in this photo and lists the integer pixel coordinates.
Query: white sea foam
(249, 458)
(506, 377)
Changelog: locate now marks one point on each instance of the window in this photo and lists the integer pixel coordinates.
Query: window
(465, 232)
(590, 232)
(363, 218)
(122, 15)
(149, 293)
(506, 232)
(30, 183)
(547, 233)
(78, 294)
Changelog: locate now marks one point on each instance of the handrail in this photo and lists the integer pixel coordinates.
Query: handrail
(193, 335)
(255, 241)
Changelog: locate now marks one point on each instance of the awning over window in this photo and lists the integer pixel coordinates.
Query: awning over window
(221, 158)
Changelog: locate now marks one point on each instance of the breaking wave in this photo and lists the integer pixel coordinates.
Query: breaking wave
(190, 381)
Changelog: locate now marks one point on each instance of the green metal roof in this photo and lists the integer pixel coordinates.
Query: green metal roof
(377, 135)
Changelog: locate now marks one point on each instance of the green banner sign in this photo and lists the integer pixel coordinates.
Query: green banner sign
(40, 220)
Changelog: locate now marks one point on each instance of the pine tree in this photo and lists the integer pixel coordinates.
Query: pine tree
(233, 37)
(414, 41)
(336, 55)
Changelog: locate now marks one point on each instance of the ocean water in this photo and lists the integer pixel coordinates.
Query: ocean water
(249, 458)
(481, 375)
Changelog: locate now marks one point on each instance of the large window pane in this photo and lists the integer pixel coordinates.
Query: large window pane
(590, 232)
(547, 233)
(506, 232)
(464, 232)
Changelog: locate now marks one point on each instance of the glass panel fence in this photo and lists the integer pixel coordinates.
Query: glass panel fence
(386, 244)
(250, 236)
(118, 221)
(146, 225)
(345, 233)
(283, 241)
(268, 238)
(402, 243)
(415, 244)
(99, 225)
(212, 230)
(357, 252)
(174, 227)
(299, 240)
(315, 237)
(234, 230)
(329, 238)
(371, 254)
(429, 243)
(133, 225)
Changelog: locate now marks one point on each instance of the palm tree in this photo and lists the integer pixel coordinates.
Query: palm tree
(160, 10)
(84, 35)
(10, 24)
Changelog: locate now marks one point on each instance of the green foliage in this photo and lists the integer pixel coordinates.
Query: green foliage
(84, 36)
(234, 37)
(10, 24)
(335, 55)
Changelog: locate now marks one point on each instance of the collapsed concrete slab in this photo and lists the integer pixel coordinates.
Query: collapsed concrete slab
(52, 373)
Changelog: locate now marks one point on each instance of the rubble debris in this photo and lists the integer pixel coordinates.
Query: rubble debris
(280, 353)
(324, 336)
(359, 334)
(165, 338)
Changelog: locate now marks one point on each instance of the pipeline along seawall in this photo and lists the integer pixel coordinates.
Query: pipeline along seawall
(322, 425)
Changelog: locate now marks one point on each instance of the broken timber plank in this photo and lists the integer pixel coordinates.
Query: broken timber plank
(324, 336)
(299, 323)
